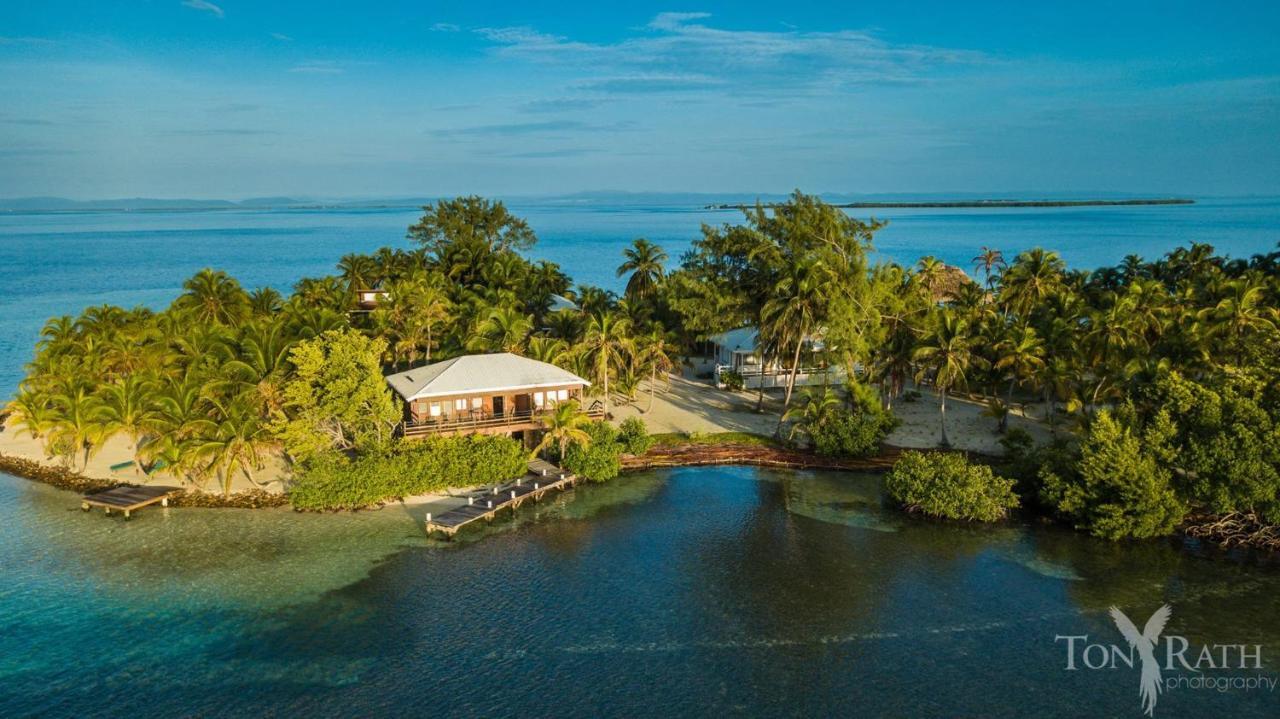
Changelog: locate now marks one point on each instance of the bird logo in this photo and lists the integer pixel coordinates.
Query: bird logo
(1145, 642)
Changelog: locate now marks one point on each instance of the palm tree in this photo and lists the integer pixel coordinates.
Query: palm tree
(947, 351)
(551, 350)
(607, 337)
(645, 261)
(1241, 311)
(655, 353)
(504, 329)
(818, 407)
(794, 311)
(358, 271)
(265, 301)
(1034, 275)
(77, 425)
(33, 411)
(233, 440)
(127, 406)
(565, 424)
(931, 272)
(214, 296)
(989, 261)
(1021, 355)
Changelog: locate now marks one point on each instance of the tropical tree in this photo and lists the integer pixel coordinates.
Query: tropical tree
(566, 424)
(990, 262)
(655, 352)
(214, 296)
(820, 404)
(232, 440)
(128, 406)
(607, 337)
(646, 263)
(947, 352)
(77, 426)
(1020, 354)
(504, 329)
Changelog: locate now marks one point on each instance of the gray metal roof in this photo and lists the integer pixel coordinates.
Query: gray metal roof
(479, 374)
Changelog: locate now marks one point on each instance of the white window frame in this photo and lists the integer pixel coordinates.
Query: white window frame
(434, 409)
(539, 400)
(477, 403)
(460, 405)
(562, 395)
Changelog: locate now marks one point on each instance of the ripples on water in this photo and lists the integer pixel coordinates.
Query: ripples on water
(685, 592)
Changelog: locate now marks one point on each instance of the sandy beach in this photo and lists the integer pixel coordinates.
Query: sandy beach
(692, 405)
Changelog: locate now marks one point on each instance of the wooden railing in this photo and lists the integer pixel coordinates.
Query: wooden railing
(483, 421)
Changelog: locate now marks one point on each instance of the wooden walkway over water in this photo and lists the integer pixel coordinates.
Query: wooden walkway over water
(128, 498)
(484, 503)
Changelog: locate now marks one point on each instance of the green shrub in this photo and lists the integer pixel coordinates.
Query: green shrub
(947, 485)
(851, 434)
(1119, 488)
(334, 481)
(732, 380)
(634, 436)
(599, 461)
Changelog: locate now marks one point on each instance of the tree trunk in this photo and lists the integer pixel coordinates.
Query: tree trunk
(1008, 406)
(791, 382)
(943, 415)
(604, 371)
(795, 369)
(760, 389)
(653, 387)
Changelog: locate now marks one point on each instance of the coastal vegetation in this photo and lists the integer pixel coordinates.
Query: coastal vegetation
(942, 484)
(1156, 379)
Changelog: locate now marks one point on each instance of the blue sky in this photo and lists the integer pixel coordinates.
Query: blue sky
(234, 99)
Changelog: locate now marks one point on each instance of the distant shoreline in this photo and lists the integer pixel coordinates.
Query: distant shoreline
(985, 204)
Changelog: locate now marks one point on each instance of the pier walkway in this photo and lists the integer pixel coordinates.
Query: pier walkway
(484, 503)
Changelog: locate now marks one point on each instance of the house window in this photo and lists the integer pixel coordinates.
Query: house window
(459, 405)
(434, 409)
(562, 395)
(538, 400)
(477, 402)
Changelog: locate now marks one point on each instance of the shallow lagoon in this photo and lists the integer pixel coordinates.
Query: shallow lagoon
(686, 592)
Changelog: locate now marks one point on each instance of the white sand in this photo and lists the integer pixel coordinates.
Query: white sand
(692, 405)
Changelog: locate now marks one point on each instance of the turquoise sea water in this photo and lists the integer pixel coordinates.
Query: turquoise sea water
(59, 263)
(693, 592)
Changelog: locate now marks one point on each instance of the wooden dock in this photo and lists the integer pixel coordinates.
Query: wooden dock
(484, 503)
(128, 498)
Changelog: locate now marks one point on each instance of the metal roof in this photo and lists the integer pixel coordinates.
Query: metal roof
(479, 374)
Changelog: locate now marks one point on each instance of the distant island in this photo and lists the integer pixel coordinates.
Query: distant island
(986, 204)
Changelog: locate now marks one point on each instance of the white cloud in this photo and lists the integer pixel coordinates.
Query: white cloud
(281, 37)
(672, 20)
(204, 5)
(445, 27)
(677, 49)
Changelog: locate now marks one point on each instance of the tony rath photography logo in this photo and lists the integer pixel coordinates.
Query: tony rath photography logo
(1176, 667)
